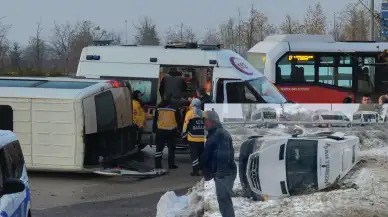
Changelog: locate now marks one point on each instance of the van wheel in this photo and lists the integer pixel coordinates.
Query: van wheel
(245, 151)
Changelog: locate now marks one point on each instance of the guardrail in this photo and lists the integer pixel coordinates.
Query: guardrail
(300, 122)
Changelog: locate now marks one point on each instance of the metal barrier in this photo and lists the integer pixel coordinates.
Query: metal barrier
(301, 122)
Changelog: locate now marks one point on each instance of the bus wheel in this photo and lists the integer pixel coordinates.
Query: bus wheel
(245, 151)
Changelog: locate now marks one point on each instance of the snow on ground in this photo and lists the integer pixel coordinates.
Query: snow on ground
(189, 205)
(368, 197)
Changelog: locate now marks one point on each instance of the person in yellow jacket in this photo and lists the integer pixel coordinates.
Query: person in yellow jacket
(139, 116)
(194, 132)
(165, 125)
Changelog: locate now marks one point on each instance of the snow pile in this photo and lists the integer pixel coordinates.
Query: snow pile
(365, 192)
(189, 205)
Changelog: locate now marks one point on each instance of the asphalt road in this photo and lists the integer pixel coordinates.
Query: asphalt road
(76, 195)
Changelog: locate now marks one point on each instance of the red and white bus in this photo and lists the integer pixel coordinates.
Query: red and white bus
(317, 69)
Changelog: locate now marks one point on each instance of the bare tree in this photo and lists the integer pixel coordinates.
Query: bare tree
(290, 26)
(15, 55)
(211, 37)
(4, 43)
(36, 51)
(254, 28)
(315, 20)
(356, 23)
(180, 33)
(229, 35)
(62, 41)
(147, 33)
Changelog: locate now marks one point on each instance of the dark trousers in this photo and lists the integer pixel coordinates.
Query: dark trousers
(139, 132)
(224, 192)
(196, 152)
(164, 137)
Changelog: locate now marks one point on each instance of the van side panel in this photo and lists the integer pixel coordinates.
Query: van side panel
(53, 138)
(22, 124)
(79, 129)
(93, 69)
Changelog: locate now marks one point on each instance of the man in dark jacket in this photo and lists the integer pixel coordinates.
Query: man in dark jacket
(173, 84)
(204, 97)
(219, 162)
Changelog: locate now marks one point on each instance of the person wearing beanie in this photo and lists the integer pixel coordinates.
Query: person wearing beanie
(219, 162)
(194, 132)
(204, 97)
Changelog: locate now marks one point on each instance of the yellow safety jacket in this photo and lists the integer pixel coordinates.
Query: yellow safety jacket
(193, 127)
(139, 116)
(165, 118)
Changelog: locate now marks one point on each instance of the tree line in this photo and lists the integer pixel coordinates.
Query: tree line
(59, 53)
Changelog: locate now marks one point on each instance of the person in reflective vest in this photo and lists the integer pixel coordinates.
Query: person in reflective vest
(165, 128)
(139, 116)
(194, 132)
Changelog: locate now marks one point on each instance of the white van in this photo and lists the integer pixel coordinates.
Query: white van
(366, 117)
(15, 199)
(265, 114)
(286, 166)
(227, 76)
(331, 118)
(66, 124)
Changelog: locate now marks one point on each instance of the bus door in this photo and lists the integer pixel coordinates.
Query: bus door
(365, 76)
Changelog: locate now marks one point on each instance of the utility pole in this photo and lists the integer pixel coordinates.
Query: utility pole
(372, 20)
(126, 32)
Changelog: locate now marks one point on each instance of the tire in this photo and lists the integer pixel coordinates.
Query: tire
(245, 151)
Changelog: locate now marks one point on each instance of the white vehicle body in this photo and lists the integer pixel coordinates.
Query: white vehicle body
(61, 122)
(286, 166)
(365, 117)
(144, 67)
(13, 167)
(336, 119)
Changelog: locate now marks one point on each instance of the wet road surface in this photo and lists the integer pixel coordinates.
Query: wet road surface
(77, 195)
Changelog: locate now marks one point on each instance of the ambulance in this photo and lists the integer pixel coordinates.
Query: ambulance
(227, 76)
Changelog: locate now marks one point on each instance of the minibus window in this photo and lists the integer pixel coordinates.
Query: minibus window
(6, 117)
(301, 165)
(18, 83)
(105, 112)
(332, 117)
(65, 85)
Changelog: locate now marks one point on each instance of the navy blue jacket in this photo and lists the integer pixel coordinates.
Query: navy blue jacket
(218, 154)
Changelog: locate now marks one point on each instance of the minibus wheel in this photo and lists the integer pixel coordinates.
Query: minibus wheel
(245, 151)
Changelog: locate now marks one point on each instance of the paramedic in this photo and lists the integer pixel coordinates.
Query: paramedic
(219, 162)
(194, 132)
(165, 128)
(173, 83)
(139, 116)
(204, 97)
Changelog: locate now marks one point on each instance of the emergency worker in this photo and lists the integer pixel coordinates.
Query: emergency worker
(165, 127)
(194, 132)
(139, 116)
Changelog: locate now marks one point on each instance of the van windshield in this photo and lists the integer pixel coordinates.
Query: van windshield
(332, 117)
(301, 166)
(269, 115)
(267, 90)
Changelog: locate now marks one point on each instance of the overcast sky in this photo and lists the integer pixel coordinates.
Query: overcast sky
(199, 14)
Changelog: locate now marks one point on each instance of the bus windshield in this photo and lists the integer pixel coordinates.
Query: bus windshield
(301, 166)
(266, 90)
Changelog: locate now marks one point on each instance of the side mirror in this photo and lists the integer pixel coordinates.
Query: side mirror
(12, 186)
